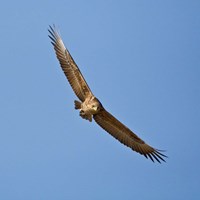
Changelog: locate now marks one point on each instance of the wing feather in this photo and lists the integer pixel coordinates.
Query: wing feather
(119, 131)
(69, 67)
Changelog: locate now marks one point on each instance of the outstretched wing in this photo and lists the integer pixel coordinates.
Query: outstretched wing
(126, 136)
(69, 67)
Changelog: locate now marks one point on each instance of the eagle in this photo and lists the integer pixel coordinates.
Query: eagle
(91, 108)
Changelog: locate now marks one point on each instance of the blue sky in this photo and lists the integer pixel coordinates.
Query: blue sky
(140, 58)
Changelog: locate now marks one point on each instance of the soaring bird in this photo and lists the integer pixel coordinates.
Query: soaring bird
(91, 108)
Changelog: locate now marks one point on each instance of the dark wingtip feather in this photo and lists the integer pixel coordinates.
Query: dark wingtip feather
(150, 156)
(53, 39)
(53, 34)
(52, 29)
(156, 156)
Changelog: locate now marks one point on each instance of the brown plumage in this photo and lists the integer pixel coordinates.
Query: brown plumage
(90, 107)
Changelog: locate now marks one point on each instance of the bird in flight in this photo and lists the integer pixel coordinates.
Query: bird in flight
(91, 108)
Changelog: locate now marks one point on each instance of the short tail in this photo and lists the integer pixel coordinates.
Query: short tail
(77, 104)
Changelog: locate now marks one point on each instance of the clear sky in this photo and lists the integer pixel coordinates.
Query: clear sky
(140, 58)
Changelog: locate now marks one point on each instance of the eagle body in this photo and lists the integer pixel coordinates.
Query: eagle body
(91, 108)
(88, 108)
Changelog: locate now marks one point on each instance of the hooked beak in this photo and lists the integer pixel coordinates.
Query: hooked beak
(95, 108)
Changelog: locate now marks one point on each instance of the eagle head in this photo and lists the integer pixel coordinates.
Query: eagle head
(95, 105)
